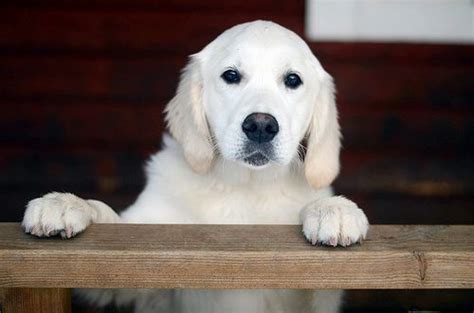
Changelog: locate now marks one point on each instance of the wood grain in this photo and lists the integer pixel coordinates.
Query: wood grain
(38, 300)
(237, 256)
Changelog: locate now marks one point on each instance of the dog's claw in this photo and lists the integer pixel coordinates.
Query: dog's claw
(332, 241)
(346, 241)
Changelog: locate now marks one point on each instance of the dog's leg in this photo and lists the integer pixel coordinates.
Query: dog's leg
(326, 301)
(334, 221)
(64, 214)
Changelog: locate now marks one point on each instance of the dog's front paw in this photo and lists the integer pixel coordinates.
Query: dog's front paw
(57, 213)
(334, 221)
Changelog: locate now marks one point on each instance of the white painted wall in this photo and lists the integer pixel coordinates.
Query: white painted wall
(450, 21)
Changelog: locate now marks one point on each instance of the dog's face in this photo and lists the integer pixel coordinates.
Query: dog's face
(258, 91)
(251, 96)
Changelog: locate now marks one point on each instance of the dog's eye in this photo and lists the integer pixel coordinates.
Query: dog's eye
(292, 81)
(231, 76)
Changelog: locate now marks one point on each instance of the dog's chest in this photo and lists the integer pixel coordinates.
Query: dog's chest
(232, 205)
(218, 301)
(174, 194)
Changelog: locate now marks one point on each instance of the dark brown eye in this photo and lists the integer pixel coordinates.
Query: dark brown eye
(231, 77)
(292, 81)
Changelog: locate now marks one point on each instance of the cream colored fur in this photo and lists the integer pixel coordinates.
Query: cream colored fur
(200, 177)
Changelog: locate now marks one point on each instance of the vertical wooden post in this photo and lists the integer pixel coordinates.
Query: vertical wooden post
(38, 300)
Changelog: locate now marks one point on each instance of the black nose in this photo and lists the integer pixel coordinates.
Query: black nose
(260, 127)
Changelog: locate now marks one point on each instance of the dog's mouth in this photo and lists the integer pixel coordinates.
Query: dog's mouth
(256, 155)
(256, 159)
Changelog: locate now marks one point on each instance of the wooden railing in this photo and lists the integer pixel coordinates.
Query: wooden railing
(39, 273)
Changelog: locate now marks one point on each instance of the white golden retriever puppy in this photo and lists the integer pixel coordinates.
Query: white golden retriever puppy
(255, 140)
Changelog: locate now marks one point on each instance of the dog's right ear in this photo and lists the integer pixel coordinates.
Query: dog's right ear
(186, 119)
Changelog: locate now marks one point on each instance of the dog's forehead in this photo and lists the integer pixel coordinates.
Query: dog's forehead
(251, 58)
(260, 40)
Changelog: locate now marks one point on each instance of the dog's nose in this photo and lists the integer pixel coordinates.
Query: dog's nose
(260, 127)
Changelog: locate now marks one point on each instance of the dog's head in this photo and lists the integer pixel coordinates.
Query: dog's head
(252, 96)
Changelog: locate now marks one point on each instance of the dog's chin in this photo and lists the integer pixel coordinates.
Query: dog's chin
(256, 160)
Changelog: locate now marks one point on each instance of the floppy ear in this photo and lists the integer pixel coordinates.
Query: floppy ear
(186, 119)
(323, 144)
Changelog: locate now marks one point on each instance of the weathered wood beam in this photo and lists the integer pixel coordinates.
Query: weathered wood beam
(237, 256)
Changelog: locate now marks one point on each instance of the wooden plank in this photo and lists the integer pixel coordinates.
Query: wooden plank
(71, 78)
(237, 256)
(396, 208)
(48, 30)
(154, 78)
(427, 300)
(370, 53)
(129, 30)
(289, 7)
(422, 130)
(406, 173)
(126, 126)
(393, 86)
(38, 300)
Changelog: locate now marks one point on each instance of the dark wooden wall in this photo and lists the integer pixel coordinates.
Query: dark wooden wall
(83, 84)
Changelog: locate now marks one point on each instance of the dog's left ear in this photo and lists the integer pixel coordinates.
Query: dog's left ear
(187, 121)
(323, 145)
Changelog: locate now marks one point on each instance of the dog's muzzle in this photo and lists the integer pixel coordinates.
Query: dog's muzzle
(260, 127)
